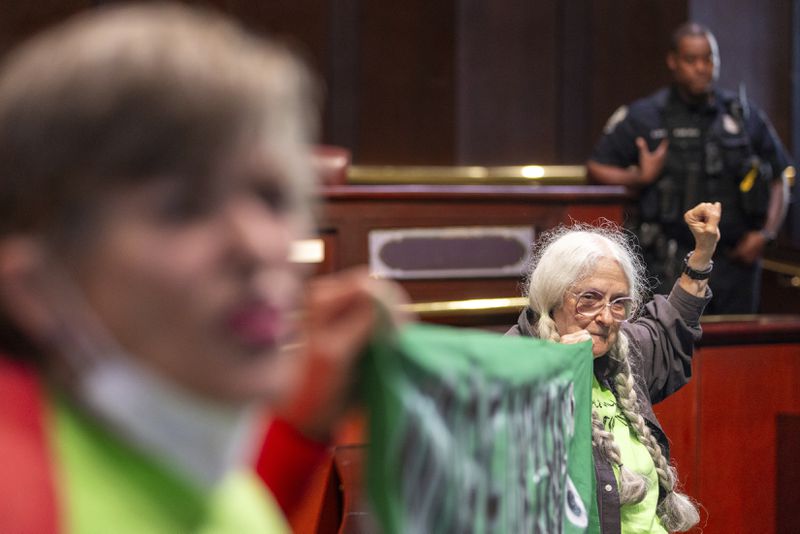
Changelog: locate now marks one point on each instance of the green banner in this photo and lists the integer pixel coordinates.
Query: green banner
(476, 432)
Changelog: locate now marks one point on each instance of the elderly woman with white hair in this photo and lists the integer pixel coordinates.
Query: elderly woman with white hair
(587, 284)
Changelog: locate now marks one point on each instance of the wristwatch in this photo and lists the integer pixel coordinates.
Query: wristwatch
(694, 274)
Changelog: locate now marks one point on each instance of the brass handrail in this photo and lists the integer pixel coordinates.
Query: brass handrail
(781, 267)
(467, 307)
(470, 174)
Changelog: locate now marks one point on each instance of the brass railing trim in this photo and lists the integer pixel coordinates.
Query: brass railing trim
(469, 174)
(781, 267)
(467, 307)
(508, 305)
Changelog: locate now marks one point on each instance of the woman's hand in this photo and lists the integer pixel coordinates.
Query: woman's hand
(342, 312)
(576, 337)
(703, 222)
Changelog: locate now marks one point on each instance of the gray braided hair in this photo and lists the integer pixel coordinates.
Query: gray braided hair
(632, 486)
(676, 510)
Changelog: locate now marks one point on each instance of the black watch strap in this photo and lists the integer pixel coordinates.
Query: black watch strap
(692, 273)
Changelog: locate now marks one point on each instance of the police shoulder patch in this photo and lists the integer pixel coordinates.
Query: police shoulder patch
(615, 118)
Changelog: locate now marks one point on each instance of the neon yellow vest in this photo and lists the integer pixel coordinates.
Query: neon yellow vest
(106, 486)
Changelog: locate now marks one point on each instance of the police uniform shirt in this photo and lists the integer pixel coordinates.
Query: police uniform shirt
(645, 118)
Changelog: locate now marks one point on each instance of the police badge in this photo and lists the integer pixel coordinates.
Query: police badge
(730, 125)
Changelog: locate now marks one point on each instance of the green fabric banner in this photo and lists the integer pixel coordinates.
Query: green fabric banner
(476, 432)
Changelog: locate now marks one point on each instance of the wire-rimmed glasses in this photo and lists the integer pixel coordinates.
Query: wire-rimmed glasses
(590, 303)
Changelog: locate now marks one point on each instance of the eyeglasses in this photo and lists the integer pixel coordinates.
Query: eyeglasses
(590, 303)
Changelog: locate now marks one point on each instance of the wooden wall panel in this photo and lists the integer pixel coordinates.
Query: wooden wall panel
(20, 19)
(755, 47)
(479, 82)
(405, 83)
(628, 45)
(303, 25)
(308, 28)
(507, 82)
(741, 398)
(724, 428)
(787, 499)
(574, 133)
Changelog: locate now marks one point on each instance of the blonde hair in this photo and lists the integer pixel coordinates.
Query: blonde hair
(562, 257)
(122, 95)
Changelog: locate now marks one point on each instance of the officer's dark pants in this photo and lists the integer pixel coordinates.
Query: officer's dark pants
(736, 287)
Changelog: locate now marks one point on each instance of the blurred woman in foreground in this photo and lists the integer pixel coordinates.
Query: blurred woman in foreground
(153, 176)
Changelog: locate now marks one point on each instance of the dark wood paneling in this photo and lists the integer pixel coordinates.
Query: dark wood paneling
(302, 24)
(723, 425)
(787, 438)
(794, 115)
(463, 82)
(20, 19)
(574, 132)
(755, 46)
(507, 91)
(341, 119)
(740, 398)
(305, 26)
(629, 42)
(406, 83)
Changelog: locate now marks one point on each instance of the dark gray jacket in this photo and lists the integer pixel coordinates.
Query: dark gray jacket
(661, 345)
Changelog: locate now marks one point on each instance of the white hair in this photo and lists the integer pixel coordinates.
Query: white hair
(567, 254)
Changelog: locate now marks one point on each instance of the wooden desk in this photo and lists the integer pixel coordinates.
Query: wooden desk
(350, 212)
(724, 425)
(728, 427)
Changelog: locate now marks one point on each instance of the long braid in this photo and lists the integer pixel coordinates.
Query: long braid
(632, 486)
(677, 512)
(545, 328)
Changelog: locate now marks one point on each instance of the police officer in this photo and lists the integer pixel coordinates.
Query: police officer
(692, 142)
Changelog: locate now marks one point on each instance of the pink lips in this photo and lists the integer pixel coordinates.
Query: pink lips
(257, 324)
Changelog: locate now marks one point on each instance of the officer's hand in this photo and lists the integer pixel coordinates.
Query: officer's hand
(650, 163)
(749, 248)
(703, 222)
